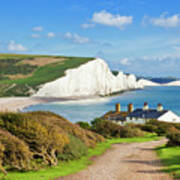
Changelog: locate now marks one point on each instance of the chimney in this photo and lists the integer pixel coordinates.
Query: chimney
(146, 107)
(118, 108)
(159, 107)
(130, 108)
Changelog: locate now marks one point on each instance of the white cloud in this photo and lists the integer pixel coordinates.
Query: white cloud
(76, 38)
(165, 21)
(51, 35)
(86, 26)
(37, 28)
(35, 36)
(125, 62)
(108, 19)
(13, 46)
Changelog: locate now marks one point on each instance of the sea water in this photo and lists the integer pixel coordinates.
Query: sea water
(88, 109)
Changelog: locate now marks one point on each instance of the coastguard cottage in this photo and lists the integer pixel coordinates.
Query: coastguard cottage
(141, 115)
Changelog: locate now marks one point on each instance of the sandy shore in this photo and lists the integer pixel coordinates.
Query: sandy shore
(18, 103)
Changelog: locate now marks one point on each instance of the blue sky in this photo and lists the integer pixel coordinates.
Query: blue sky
(136, 36)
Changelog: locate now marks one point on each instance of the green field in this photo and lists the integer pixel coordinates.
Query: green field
(170, 157)
(66, 168)
(29, 76)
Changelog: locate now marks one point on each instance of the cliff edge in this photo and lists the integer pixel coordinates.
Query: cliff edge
(92, 78)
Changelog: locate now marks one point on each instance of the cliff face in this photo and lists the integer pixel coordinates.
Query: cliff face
(173, 83)
(145, 82)
(92, 78)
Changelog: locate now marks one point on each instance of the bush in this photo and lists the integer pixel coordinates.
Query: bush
(109, 129)
(149, 128)
(35, 139)
(84, 125)
(74, 150)
(128, 132)
(106, 128)
(14, 153)
(160, 128)
(89, 138)
(43, 142)
(174, 138)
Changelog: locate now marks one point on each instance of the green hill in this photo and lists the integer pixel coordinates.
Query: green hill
(21, 75)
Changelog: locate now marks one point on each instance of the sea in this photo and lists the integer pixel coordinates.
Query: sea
(88, 109)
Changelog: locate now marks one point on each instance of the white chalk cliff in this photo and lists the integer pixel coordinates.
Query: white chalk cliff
(173, 83)
(92, 78)
(145, 82)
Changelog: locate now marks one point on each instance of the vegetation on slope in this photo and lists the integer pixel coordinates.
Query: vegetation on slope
(30, 141)
(70, 167)
(43, 145)
(110, 130)
(21, 75)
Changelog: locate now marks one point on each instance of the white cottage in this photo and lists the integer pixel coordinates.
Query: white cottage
(145, 114)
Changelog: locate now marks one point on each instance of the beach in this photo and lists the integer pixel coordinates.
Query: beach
(16, 104)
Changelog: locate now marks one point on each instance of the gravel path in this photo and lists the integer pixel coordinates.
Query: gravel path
(136, 161)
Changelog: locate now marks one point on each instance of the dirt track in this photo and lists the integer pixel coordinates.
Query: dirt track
(136, 161)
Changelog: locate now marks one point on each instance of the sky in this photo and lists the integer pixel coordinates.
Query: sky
(135, 36)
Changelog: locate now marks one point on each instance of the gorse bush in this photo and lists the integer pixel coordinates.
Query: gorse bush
(32, 140)
(109, 129)
(173, 138)
(74, 150)
(84, 125)
(160, 128)
(14, 153)
(39, 138)
(170, 130)
(87, 137)
(128, 132)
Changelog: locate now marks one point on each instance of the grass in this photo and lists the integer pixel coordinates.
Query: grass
(71, 167)
(170, 157)
(40, 75)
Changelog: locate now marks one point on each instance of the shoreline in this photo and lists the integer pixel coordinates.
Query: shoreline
(17, 104)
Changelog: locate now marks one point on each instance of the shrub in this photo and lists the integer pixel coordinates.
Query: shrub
(84, 125)
(174, 138)
(128, 132)
(14, 153)
(109, 129)
(43, 142)
(34, 139)
(74, 150)
(106, 128)
(149, 128)
(88, 137)
(177, 125)
(160, 128)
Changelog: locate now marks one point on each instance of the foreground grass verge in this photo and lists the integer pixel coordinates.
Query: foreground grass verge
(170, 157)
(66, 168)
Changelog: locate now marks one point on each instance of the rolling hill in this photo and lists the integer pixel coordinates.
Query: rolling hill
(22, 75)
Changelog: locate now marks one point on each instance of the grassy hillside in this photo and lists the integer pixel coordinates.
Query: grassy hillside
(21, 75)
